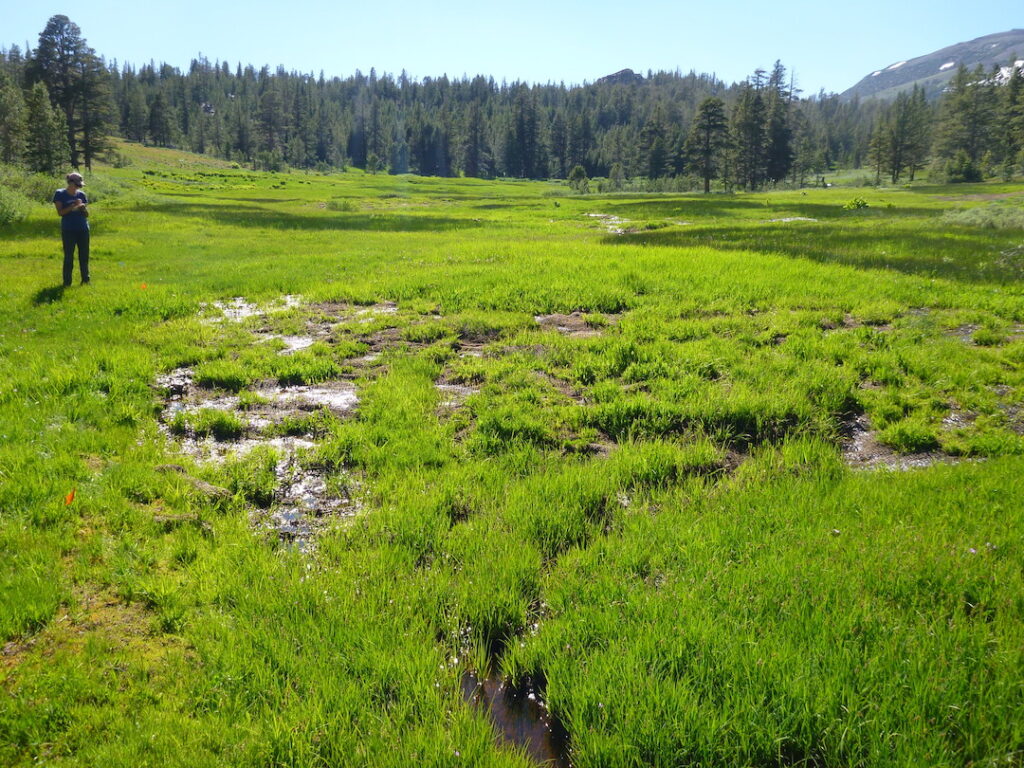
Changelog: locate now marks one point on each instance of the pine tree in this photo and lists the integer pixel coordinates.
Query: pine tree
(271, 120)
(46, 146)
(748, 138)
(1011, 121)
(476, 152)
(160, 123)
(55, 63)
(919, 136)
(136, 114)
(778, 131)
(879, 150)
(966, 124)
(707, 140)
(559, 145)
(78, 84)
(12, 121)
(654, 146)
(96, 108)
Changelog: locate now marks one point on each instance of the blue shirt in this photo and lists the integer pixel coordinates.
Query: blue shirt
(76, 221)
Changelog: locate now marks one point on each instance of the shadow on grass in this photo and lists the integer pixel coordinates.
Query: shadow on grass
(33, 228)
(48, 295)
(953, 253)
(255, 216)
(753, 205)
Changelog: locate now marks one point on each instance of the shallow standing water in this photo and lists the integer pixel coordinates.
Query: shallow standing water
(520, 717)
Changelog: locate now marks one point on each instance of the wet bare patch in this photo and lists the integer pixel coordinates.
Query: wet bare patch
(470, 349)
(239, 308)
(958, 420)
(235, 310)
(370, 313)
(338, 396)
(851, 322)
(454, 395)
(964, 332)
(304, 503)
(342, 312)
(578, 325)
(292, 344)
(862, 450)
(520, 716)
(614, 224)
(176, 382)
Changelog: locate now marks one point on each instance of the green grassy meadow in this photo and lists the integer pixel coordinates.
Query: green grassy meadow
(650, 511)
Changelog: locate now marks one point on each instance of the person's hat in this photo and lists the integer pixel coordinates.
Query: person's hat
(75, 178)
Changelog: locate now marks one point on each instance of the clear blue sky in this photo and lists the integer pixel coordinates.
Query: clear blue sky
(829, 45)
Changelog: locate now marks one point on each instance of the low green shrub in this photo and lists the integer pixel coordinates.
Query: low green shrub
(13, 207)
(991, 216)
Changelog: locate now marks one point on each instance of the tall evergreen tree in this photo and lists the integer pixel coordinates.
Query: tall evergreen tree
(654, 146)
(1011, 121)
(77, 82)
(55, 62)
(707, 140)
(476, 152)
(96, 108)
(160, 122)
(919, 134)
(778, 131)
(12, 120)
(966, 127)
(748, 138)
(46, 146)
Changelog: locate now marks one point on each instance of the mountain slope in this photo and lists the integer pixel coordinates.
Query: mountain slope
(932, 71)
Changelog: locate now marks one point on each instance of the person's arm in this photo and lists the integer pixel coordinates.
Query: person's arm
(74, 205)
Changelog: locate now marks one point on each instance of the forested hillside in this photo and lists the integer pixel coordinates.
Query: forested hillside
(59, 101)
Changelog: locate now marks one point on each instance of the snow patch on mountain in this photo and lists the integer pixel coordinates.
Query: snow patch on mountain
(947, 65)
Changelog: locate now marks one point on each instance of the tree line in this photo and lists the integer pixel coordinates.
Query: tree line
(60, 102)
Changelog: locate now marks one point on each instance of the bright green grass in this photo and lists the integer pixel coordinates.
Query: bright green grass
(790, 612)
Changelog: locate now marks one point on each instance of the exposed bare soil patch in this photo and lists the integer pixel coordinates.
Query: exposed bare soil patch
(578, 325)
(614, 224)
(862, 450)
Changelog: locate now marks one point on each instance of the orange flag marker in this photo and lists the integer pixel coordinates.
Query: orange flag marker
(70, 497)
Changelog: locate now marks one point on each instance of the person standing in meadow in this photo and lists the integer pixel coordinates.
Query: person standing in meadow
(71, 205)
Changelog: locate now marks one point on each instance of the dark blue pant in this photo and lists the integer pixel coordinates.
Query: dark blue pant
(71, 239)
